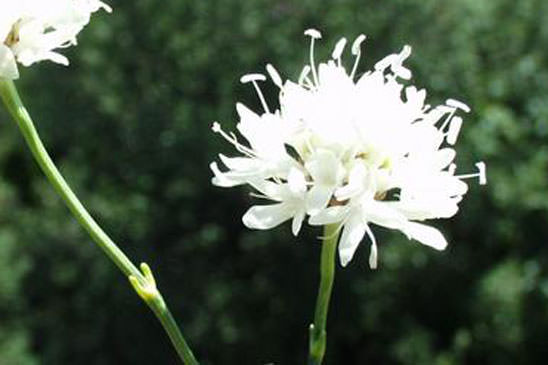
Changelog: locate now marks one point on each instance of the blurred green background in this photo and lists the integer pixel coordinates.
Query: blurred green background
(129, 125)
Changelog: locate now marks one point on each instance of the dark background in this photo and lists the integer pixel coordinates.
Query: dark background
(129, 125)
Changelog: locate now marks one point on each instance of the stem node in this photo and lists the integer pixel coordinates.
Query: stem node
(145, 285)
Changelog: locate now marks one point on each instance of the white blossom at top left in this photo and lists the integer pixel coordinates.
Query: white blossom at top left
(33, 30)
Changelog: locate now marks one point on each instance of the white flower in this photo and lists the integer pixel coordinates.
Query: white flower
(351, 151)
(32, 30)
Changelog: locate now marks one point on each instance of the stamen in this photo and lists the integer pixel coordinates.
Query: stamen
(356, 46)
(304, 80)
(274, 75)
(261, 96)
(216, 128)
(386, 62)
(398, 68)
(458, 104)
(356, 51)
(304, 74)
(405, 53)
(481, 174)
(337, 52)
(374, 253)
(308, 84)
(448, 119)
(454, 129)
(313, 34)
(253, 78)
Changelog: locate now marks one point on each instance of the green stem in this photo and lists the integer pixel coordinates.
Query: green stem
(12, 101)
(318, 334)
(168, 322)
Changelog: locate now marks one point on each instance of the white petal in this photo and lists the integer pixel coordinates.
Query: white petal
(426, 235)
(239, 163)
(402, 72)
(373, 256)
(444, 157)
(415, 97)
(452, 185)
(221, 179)
(329, 215)
(352, 234)
(386, 62)
(297, 222)
(8, 66)
(245, 113)
(296, 181)
(383, 214)
(266, 216)
(318, 197)
(57, 58)
(425, 209)
(355, 184)
(325, 168)
(272, 190)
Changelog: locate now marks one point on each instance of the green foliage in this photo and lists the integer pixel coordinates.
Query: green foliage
(129, 124)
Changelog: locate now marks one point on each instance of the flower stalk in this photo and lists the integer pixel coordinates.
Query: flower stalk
(142, 280)
(318, 334)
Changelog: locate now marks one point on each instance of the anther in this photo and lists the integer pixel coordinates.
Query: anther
(216, 127)
(405, 53)
(454, 128)
(313, 33)
(253, 78)
(356, 51)
(274, 75)
(481, 174)
(458, 104)
(338, 50)
(356, 46)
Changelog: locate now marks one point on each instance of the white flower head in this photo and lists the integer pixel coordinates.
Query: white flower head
(32, 30)
(347, 150)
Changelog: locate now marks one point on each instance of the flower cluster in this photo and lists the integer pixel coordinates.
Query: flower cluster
(349, 150)
(31, 30)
